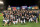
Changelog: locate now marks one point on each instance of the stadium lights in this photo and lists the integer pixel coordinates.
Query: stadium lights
(1, 2)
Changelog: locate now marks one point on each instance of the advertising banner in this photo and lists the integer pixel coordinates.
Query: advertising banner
(14, 8)
(17, 8)
(24, 7)
(35, 7)
(9, 8)
(29, 7)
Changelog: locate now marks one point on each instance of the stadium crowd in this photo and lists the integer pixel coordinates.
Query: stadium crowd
(19, 16)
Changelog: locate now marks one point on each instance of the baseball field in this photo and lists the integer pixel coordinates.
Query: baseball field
(27, 24)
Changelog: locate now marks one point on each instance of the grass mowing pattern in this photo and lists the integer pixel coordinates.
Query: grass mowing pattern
(27, 24)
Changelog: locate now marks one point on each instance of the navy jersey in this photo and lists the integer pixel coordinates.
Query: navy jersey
(23, 14)
(34, 18)
(22, 18)
(27, 13)
(30, 13)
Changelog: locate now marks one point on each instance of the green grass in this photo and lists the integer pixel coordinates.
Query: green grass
(19, 24)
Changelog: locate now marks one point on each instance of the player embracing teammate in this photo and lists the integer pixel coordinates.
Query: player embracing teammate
(19, 16)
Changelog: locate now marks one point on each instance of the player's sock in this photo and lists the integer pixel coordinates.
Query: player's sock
(14, 23)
